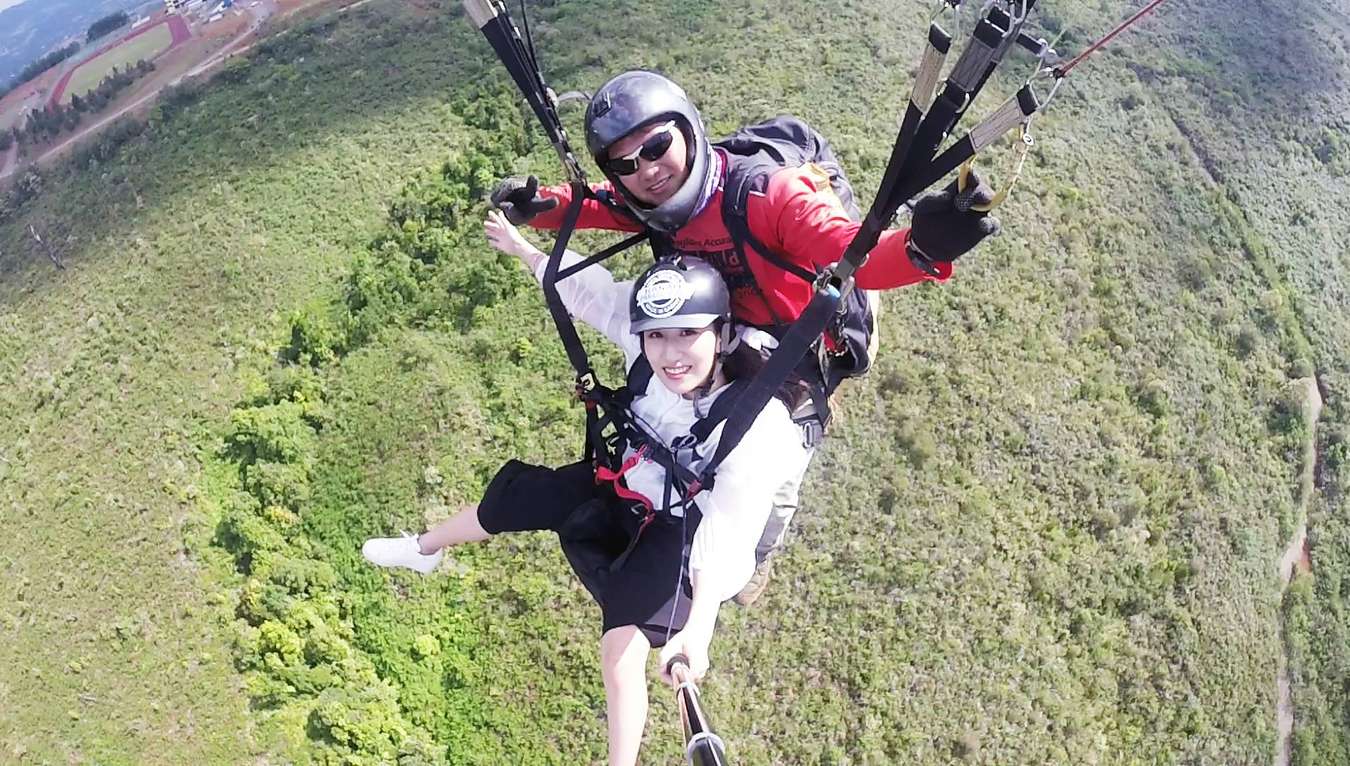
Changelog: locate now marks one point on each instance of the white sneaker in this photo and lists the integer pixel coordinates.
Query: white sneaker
(400, 552)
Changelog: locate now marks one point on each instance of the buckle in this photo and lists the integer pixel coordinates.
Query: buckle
(813, 433)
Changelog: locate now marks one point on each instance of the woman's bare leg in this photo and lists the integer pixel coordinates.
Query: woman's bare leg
(623, 663)
(463, 527)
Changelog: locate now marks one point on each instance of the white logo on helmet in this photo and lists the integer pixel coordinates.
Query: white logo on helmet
(663, 294)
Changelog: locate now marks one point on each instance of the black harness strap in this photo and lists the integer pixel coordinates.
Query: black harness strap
(908, 173)
(993, 36)
(492, 20)
(757, 392)
(639, 378)
(612, 250)
(910, 158)
(734, 216)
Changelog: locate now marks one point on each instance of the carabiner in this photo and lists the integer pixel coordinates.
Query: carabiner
(963, 176)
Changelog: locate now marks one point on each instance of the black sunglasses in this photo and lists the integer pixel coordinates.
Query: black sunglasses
(653, 149)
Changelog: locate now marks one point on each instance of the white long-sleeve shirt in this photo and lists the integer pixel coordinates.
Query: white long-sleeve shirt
(737, 508)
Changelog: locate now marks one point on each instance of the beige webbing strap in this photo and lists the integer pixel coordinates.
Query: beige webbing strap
(963, 175)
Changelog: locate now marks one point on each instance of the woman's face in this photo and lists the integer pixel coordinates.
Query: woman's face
(682, 358)
(655, 180)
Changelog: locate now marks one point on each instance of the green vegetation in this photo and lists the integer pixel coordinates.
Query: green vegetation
(55, 119)
(1043, 531)
(106, 24)
(143, 47)
(47, 62)
(41, 65)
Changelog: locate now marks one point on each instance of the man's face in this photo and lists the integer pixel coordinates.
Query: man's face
(656, 180)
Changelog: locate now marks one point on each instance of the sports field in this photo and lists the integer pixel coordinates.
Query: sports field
(146, 45)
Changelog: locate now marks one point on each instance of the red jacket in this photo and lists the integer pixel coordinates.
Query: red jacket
(798, 216)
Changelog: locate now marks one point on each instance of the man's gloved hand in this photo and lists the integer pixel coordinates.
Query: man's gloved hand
(518, 198)
(944, 227)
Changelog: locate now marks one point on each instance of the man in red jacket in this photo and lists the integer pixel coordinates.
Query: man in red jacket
(664, 176)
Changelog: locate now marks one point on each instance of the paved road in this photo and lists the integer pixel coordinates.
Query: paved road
(259, 14)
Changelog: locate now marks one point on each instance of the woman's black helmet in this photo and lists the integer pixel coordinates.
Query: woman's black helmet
(636, 99)
(680, 292)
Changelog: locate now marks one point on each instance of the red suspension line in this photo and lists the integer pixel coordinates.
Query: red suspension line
(1064, 70)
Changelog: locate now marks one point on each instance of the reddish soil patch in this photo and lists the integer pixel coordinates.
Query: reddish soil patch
(178, 28)
(30, 89)
(1304, 563)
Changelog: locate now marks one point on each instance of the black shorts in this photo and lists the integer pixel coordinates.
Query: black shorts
(649, 587)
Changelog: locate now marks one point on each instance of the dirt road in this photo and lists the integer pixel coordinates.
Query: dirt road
(1293, 561)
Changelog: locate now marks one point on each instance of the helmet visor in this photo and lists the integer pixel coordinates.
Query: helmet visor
(677, 322)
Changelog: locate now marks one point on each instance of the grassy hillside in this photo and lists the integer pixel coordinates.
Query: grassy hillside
(1044, 531)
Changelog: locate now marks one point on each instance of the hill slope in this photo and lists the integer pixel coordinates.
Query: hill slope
(1044, 530)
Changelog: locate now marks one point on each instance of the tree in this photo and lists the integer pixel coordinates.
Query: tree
(47, 62)
(107, 24)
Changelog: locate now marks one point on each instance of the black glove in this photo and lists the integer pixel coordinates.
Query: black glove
(945, 228)
(518, 199)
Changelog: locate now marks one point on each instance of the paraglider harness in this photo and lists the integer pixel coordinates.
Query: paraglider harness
(753, 154)
(915, 164)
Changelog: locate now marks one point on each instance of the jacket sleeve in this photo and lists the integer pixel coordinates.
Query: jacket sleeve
(800, 216)
(592, 296)
(736, 509)
(594, 214)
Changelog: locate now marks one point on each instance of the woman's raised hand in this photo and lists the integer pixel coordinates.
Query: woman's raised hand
(504, 236)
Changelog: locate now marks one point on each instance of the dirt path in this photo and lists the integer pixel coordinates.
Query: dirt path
(9, 161)
(1295, 559)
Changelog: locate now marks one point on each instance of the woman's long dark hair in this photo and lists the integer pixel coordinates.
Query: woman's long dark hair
(745, 362)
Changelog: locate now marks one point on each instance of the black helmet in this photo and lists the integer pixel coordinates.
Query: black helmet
(633, 100)
(678, 293)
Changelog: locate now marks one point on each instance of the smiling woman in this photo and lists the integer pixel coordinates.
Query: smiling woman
(658, 554)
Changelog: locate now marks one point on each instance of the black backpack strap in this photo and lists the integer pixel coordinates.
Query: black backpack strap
(735, 201)
(795, 344)
(757, 152)
(639, 376)
(662, 245)
(733, 217)
(720, 410)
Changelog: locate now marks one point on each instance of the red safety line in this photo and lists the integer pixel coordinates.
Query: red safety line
(1064, 70)
(604, 474)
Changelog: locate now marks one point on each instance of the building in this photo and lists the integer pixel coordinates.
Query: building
(174, 6)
